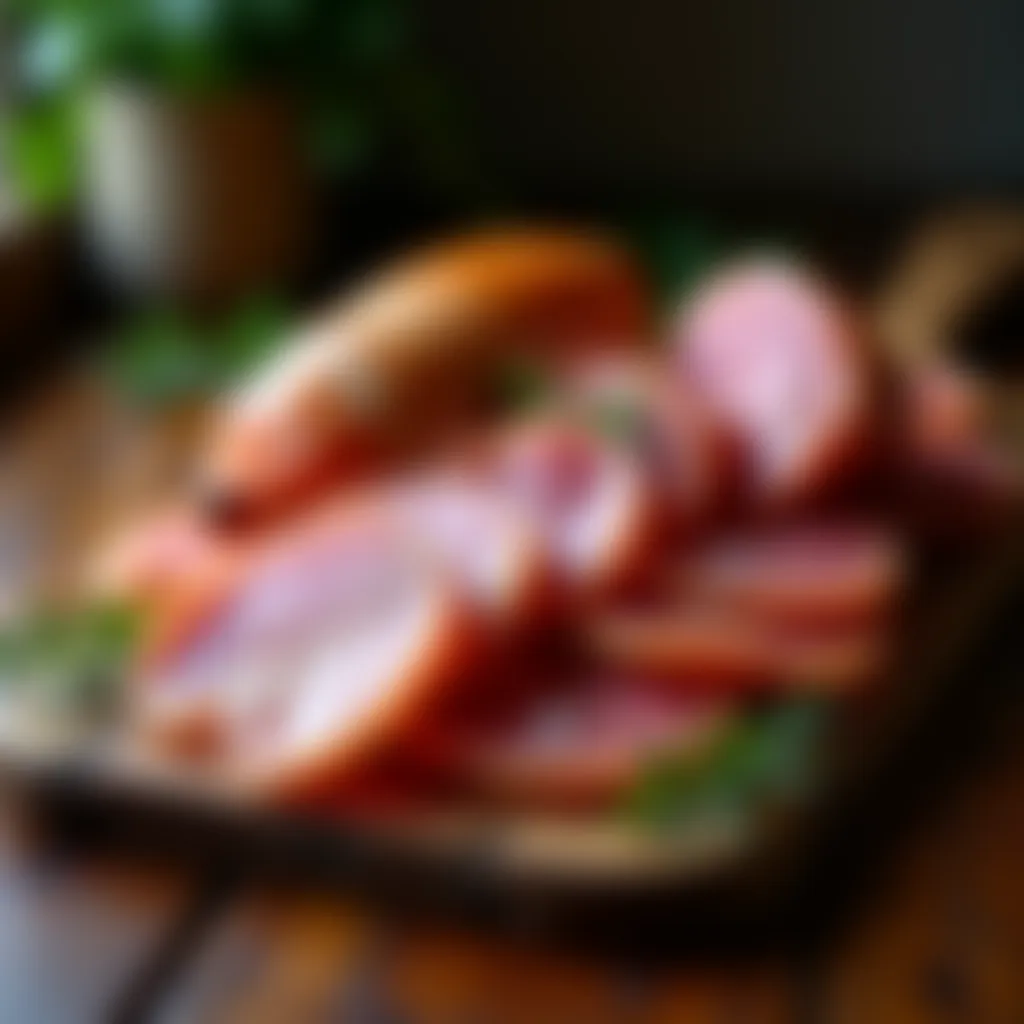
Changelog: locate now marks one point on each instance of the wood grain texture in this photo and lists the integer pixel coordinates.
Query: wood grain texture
(942, 938)
(299, 957)
(76, 932)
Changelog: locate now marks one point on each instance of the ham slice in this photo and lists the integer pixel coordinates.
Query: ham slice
(410, 353)
(587, 500)
(708, 648)
(664, 425)
(949, 478)
(150, 562)
(692, 644)
(581, 744)
(821, 572)
(943, 409)
(319, 649)
(487, 544)
(781, 360)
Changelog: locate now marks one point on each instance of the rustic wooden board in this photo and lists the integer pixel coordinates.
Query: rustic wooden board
(496, 868)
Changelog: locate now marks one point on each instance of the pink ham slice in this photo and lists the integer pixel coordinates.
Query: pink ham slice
(657, 417)
(689, 643)
(780, 359)
(587, 500)
(583, 744)
(943, 409)
(323, 647)
(151, 561)
(949, 476)
(804, 573)
(488, 545)
(709, 648)
(833, 660)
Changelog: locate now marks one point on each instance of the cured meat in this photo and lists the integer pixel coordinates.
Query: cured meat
(949, 478)
(943, 409)
(150, 562)
(488, 545)
(666, 427)
(328, 644)
(584, 744)
(960, 495)
(586, 499)
(832, 660)
(409, 354)
(703, 648)
(693, 643)
(804, 573)
(781, 360)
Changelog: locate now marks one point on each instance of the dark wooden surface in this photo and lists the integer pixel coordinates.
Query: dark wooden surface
(938, 936)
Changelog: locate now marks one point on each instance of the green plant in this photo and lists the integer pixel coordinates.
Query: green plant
(353, 68)
(191, 46)
(38, 145)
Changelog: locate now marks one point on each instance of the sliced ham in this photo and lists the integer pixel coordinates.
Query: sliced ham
(817, 572)
(713, 648)
(488, 545)
(582, 744)
(942, 409)
(959, 496)
(833, 659)
(321, 648)
(692, 643)
(587, 500)
(149, 562)
(782, 361)
(665, 425)
(408, 354)
(949, 477)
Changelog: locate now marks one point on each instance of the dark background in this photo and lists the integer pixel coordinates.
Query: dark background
(871, 99)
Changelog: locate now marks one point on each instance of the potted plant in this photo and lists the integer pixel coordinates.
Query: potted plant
(191, 116)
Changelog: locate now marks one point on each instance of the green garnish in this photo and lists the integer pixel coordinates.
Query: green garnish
(74, 658)
(765, 757)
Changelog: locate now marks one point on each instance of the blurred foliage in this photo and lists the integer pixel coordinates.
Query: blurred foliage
(676, 249)
(353, 68)
(74, 658)
(163, 355)
(39, 153)
(765, 757)
(198, 46)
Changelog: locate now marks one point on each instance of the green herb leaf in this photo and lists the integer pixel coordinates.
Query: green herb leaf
(39, 143)
(75, 657)
(764, 757)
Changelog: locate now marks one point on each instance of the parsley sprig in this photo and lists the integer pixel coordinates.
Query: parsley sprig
(765, 757)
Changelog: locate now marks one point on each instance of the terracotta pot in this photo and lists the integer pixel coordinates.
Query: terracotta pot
(195, 198)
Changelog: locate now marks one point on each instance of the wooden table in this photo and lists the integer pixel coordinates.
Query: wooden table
(85, 937)
(89, 937)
